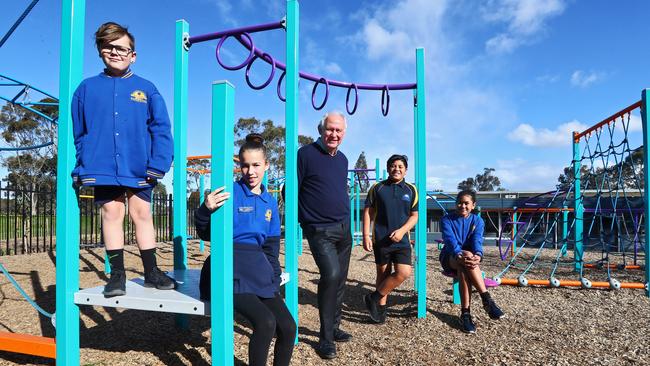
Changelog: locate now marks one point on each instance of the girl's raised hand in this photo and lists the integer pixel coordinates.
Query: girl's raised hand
(216, 198)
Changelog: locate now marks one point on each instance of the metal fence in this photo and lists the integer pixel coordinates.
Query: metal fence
(28, 220)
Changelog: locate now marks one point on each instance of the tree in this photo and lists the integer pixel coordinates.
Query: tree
(482, 182)
(566, 179)
(628, 173)
(30, 172)
(362, 177)
(160, 189)
(273, 139)
(21, 128)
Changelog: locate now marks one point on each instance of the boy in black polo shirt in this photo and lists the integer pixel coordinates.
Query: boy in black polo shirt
(392, 205)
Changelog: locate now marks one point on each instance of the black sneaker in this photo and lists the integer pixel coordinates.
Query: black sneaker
(467, 323)
(116, 285)
(158, 279)
(493, 310)
(382, 314)
(373, 308)
(341, 336)
(326, 350)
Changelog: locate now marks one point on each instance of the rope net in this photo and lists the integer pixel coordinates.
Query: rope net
(538, 241)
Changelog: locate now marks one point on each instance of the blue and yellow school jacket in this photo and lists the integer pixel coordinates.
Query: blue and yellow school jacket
(122, 131)
(256, 238)
(459, 233)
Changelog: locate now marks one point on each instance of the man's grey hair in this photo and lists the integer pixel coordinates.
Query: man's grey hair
(321, 123)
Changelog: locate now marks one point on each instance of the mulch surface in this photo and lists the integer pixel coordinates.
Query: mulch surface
(565, 326)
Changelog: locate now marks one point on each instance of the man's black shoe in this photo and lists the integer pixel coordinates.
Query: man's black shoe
(326, 350)
(158, 279)
(116, 285)
(382, 314)
(342, 336)
(373, 308)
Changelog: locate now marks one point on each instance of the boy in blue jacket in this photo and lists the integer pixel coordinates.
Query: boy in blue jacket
(122, 135)
(462, 233)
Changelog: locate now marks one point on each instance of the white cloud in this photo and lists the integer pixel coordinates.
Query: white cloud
(635, 123)
(583, 79)
(521, 174)
(393, 32)
(561, 136)
(383, 43)
(547, 79)
(333, 68)
(525, 19)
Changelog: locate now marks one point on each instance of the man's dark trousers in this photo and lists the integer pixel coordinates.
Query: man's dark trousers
(331, 246)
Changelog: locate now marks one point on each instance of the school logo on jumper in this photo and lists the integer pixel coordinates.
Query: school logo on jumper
(139, 96)
(267, 215)
(406, 197)
(246, 209)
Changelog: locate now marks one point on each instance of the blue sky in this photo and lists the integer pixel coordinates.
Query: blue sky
(507, 80)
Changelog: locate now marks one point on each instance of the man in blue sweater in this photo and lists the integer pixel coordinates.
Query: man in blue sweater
(324, 214)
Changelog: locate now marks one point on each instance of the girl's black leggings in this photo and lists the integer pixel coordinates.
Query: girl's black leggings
(268, 317)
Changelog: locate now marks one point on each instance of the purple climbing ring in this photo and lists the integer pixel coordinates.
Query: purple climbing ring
(386, 96)
(248, 59)
(268, 81)
(280, 86)
(352, 86)
(327, 93)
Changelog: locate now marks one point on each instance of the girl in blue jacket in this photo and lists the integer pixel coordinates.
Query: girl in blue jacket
(256, 268)
(462, 233)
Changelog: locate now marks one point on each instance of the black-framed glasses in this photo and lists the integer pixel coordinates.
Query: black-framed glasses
(121, 51)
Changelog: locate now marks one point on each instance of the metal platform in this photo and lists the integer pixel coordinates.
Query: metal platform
(183, 300)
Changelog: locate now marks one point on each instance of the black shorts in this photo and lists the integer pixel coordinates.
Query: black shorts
(105, 194)
(385, 254)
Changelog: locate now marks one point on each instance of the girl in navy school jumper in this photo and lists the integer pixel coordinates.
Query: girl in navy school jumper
(462, 233)
(256, 268)
(123, 141)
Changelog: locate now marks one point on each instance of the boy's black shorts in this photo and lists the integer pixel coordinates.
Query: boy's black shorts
(385, 254)
(105, 194)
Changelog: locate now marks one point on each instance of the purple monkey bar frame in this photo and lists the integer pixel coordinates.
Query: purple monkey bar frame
(242, 35)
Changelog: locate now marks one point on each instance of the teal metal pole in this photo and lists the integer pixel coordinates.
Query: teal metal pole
(384, 175)
(351, 178)
(201, 198)
(180, 146)
(421, 183)
(107, 264)
(291, 163)
(416, 278)
(67, 210)
(565, 229)
(646, 177)
(578, 209)
(221, 306)
(377, 170)
(179, 217)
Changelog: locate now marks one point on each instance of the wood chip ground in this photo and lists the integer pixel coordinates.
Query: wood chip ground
(543, 326)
